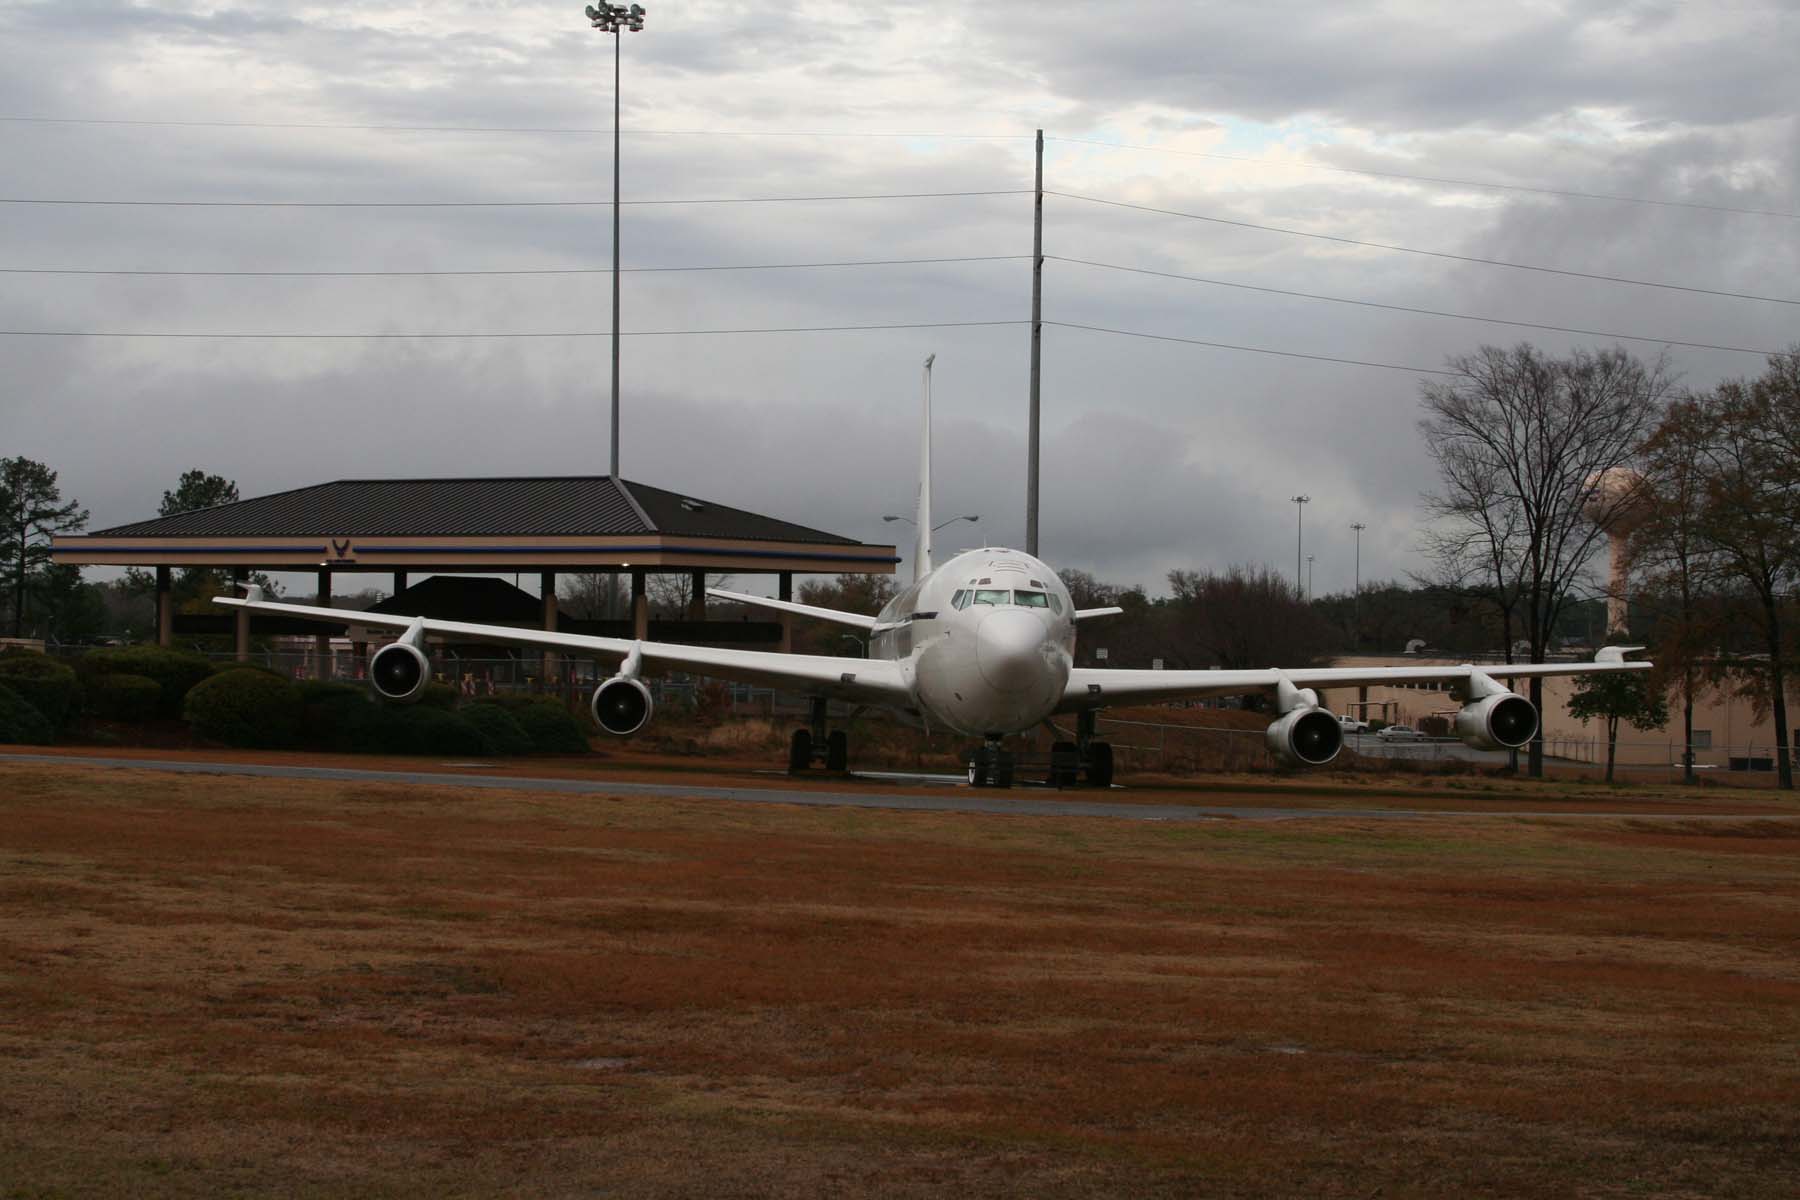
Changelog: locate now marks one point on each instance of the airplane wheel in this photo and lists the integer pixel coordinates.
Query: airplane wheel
(837, 751)
(1100, 764)
(975, 779)
(800, 751)
(1065, 764)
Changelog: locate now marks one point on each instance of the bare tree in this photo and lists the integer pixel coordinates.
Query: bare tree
(1244, 617)
(1750, 520)
(672, 594)
(592, 595)
(1521, 440)
(1676, 565)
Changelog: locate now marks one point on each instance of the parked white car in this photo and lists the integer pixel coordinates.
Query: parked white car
(1350, 724)
(1398, 733)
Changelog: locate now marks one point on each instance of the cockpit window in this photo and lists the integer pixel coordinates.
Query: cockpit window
(1055, 603)
(961, 599)
(984, 596)
(1031, 599)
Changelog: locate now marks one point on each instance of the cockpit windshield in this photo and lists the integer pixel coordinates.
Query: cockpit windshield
(1031, 599)
(987, 596)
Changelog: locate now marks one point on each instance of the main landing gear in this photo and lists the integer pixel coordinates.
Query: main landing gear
(1086, 759)
(817, 744)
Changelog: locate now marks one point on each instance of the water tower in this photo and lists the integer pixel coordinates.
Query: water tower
(1616, 504)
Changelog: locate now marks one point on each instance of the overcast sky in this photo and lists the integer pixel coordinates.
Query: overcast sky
(1157, 454)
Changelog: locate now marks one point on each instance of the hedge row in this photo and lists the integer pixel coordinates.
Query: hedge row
(44, 683)
(252, 709)
(20, 722)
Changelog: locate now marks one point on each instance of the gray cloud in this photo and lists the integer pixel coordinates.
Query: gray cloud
(1157, 455)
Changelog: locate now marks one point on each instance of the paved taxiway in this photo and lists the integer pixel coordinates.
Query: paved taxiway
(942, 797)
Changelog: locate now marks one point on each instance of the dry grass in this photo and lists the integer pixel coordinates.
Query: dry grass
(225, 986)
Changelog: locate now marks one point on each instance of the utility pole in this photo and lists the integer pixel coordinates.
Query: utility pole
(614, 18)
(1300, 503)
(1037, 345)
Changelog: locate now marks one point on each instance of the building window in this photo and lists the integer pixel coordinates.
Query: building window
(1702, 739)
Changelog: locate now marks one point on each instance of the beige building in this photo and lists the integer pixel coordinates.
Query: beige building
(1727, 734)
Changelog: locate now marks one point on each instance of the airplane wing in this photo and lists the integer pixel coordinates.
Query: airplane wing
(1088, 614)
(854, 620)
(869, 681)
(1092, 687)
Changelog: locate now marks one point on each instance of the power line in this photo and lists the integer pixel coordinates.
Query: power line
(509, 271)
(577, 333)
(1424, 312)
(1438, 179)
(551, 129)
(1163, 337)
(492, 203)
(68, 333)
(1488, 262)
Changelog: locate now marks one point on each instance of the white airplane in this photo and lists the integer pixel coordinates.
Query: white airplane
(983, 645)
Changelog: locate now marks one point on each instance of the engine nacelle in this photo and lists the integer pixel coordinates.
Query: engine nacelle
(1503, 722)
(1309, 737)
(399, 672)
(621, 705)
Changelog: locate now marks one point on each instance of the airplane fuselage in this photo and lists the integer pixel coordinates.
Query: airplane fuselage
(985, 642)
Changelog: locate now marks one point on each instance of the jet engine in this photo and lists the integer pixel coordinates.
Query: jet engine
(622, 705)
(1308, 737)
(1503, 722)
(399, 672)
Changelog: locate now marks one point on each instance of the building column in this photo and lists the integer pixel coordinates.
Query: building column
(552, 667)
(242, 575)
(322, 643)
(399, 582)
(640, 606)
(165, 608)
(697, 597)
(786, 592)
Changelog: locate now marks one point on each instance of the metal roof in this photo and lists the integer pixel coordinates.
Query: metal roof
(519, 506)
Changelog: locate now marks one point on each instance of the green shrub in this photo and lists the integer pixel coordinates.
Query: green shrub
(438, 695)
(175, 670)
(328, 711)
(42, 682)
(133, 698)
(502, 730)
(245, 708)
(20, 723)
(414, 729)
(550, 726)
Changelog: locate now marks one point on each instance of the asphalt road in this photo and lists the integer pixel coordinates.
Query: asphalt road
(938, 797)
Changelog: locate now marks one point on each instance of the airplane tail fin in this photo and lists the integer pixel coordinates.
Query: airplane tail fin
(922, 509)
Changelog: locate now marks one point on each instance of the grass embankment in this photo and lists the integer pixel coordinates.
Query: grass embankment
(215, 986)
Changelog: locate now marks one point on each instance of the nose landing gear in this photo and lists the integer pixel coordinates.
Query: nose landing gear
(818, 744)
(992, 766)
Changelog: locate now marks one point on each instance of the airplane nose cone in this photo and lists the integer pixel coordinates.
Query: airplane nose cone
(1009, 650)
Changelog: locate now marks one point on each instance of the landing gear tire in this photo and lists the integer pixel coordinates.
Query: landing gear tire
(837, 751)
(1065, 764)
(990, 766)
(800, 751)
(1100, 764)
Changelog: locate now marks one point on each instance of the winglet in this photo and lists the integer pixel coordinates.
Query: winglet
(1614, 654)
(253, 593)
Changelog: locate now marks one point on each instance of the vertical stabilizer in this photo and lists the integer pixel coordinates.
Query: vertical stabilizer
(922, 509)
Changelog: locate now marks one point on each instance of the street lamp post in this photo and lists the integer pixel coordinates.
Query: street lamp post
(614, 19)
(1309, 591)
(971, 518)
(1300, 503)
(1356, 603)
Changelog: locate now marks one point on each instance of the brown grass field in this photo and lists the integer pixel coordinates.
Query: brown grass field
(224, 986)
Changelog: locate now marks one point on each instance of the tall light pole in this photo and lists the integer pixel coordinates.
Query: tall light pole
(1300, 503)
(1309, 591)
(614, 19)
(1356, 603)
